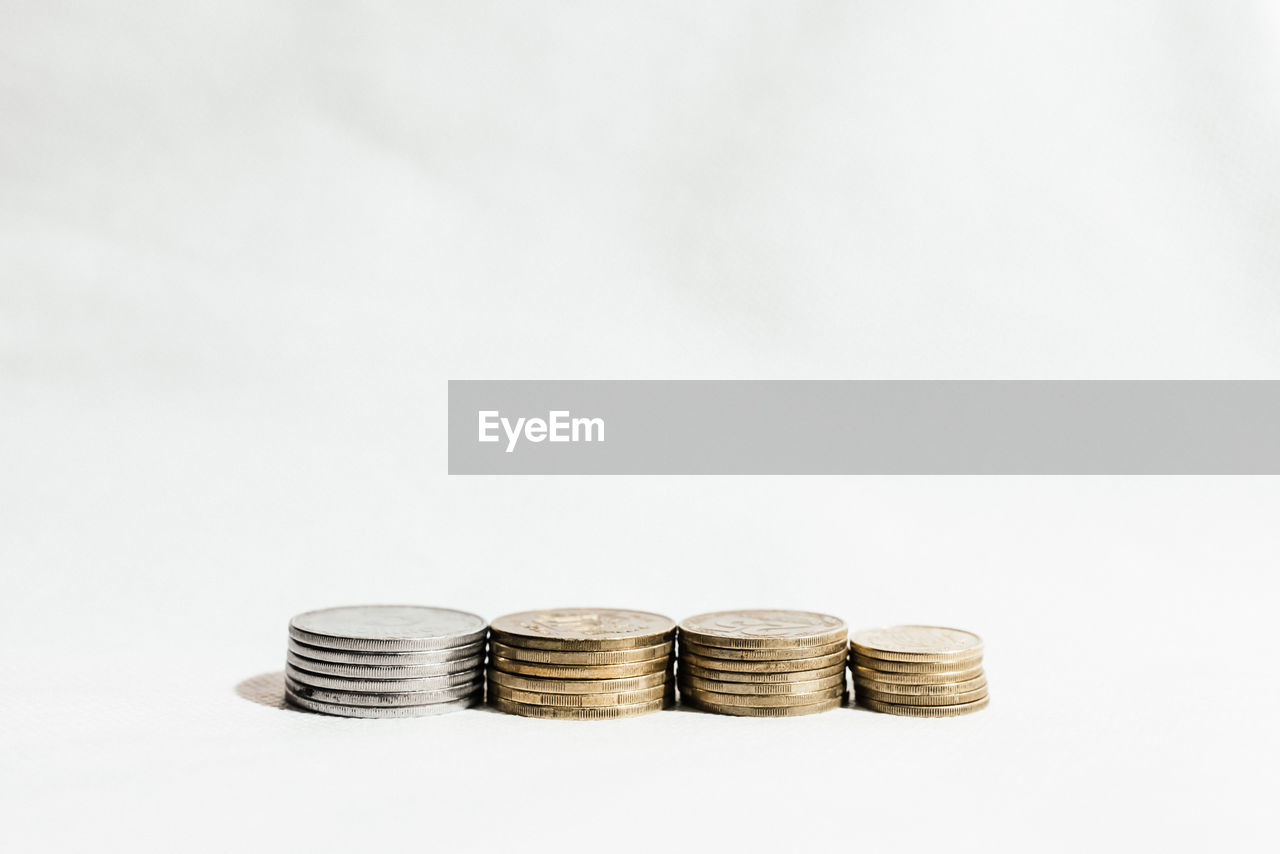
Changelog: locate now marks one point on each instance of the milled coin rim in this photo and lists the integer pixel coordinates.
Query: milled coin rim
(384, 671)
(765, 701)
(606, 645)
(381, 686)
(925, 711)
(579, 671)
(786, 666)
(579, 713)
(586, 701)
(893, 688)
(426, 710)
(374, 643)
(759, 688)
(915, 654)
(397, 659)
(550, 685)
(373, 699)
(956, 699)
(818, 638)
(888, 666)
(937, 678)
(764, 711)
(739, 676)
(586, 657)
(721, 653)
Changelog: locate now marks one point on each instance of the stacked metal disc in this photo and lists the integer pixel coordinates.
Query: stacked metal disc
(763, 663)
(581, 663)
(385, 661)
(919, 671)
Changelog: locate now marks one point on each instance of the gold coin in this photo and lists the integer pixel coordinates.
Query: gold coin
(585, 629)
(905, 691)
(917, 643)
(887, 666)
(761, 701)
(762, 711)
(925, 711)
(541, 685)
(792, 665)
(716, 686)
(534, 698)
(763, 629)
(946, 677)
(725, 654)
(611, 656)
(578, 671)
(578, 713)
(922, 699)
(739, 676)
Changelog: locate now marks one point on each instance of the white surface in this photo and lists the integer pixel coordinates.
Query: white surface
(243, 245)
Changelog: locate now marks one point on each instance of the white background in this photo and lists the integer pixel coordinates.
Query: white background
(244, 245)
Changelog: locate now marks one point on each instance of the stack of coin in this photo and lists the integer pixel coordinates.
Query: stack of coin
(581, 663)
(919, 671)
(385, 661)
(767, 664)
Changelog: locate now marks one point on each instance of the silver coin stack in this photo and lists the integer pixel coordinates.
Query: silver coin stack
(385, 661)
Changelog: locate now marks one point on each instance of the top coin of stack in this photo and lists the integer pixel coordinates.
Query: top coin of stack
(581, 663)
(763, 663)
(385, 661)
(919, 671)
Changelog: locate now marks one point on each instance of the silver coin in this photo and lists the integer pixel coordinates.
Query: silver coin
(384, 671)
(398, 659)
(399, 628)
(369, 698)
(384, 711)
(381, 686)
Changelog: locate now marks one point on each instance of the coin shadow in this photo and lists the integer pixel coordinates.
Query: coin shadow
(265, 689)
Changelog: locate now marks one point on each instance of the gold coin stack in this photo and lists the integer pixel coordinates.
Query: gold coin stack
(581, 663)
(764, 664)
(919, 671)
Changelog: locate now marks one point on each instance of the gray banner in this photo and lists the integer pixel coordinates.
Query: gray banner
(863, 427)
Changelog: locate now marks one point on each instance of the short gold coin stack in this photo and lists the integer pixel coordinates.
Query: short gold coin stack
(764, 664)
(919, 671)
(581, 663)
